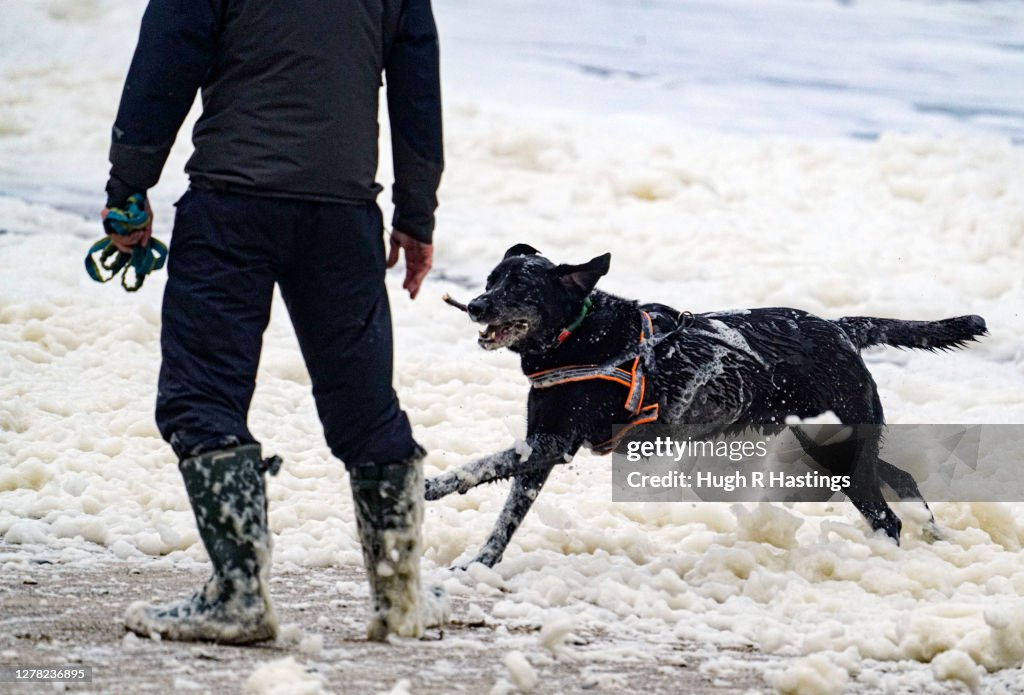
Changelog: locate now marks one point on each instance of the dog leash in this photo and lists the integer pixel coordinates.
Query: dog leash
(633, 379)
(142, 260)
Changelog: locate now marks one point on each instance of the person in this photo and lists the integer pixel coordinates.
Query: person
(282, 191)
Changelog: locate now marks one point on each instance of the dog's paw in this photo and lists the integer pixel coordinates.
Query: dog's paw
(461, 566)
(434, 489)
(444, 485)
(486, 560)
(932, 533)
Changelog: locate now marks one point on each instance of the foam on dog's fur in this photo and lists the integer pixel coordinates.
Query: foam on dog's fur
(711, 373)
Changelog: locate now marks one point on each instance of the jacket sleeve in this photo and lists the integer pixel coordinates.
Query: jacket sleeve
(173, 55)
(414, 107)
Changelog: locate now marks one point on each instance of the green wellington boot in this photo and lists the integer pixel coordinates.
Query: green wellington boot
(389, 515)
(228, 496)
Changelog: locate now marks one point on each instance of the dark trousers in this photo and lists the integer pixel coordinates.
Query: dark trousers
(227, 252)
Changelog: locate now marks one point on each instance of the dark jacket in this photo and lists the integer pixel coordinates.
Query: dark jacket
(290, 100)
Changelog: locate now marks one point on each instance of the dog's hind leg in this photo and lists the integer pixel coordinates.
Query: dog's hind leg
(525, 488)
(901, 482)
(856, 455)
(865, 489)
(874, 508)
(905, 487)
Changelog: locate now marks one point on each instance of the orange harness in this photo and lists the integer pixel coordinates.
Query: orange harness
(633, 379)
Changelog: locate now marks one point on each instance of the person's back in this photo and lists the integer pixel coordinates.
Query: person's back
(283, 193)
(290, 103)
(290, 100)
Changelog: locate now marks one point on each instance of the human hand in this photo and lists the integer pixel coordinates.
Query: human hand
(139, 237)
(419, 258)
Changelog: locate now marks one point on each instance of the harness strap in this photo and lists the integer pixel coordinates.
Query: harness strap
(647, 414)
(633, 379)
(635, 397)
(582, 372)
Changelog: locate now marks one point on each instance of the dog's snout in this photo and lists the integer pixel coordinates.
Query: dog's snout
(477, 308)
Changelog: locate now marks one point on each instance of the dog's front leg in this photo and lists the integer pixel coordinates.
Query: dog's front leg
(465, 478)
(541, 452)
(525, 488)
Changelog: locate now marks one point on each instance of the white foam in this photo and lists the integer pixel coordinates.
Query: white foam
(910, 226)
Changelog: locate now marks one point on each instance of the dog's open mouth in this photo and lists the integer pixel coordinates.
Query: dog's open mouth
(499, 335)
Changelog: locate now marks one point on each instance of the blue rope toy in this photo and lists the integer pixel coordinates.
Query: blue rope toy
(142, 260)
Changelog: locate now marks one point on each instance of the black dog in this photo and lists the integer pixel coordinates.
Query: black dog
(595, 360)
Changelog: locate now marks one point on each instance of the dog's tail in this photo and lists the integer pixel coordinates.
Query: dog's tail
(946, 334)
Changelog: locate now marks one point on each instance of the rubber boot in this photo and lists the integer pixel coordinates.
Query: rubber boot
(227, 493)
(389, 515)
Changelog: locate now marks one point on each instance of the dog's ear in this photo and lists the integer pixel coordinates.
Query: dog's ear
(521, 250)
(581, 279)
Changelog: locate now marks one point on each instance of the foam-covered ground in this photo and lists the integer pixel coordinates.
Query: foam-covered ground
(908, 226)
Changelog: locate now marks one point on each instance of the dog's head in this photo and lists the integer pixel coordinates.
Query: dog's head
(528, 299)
